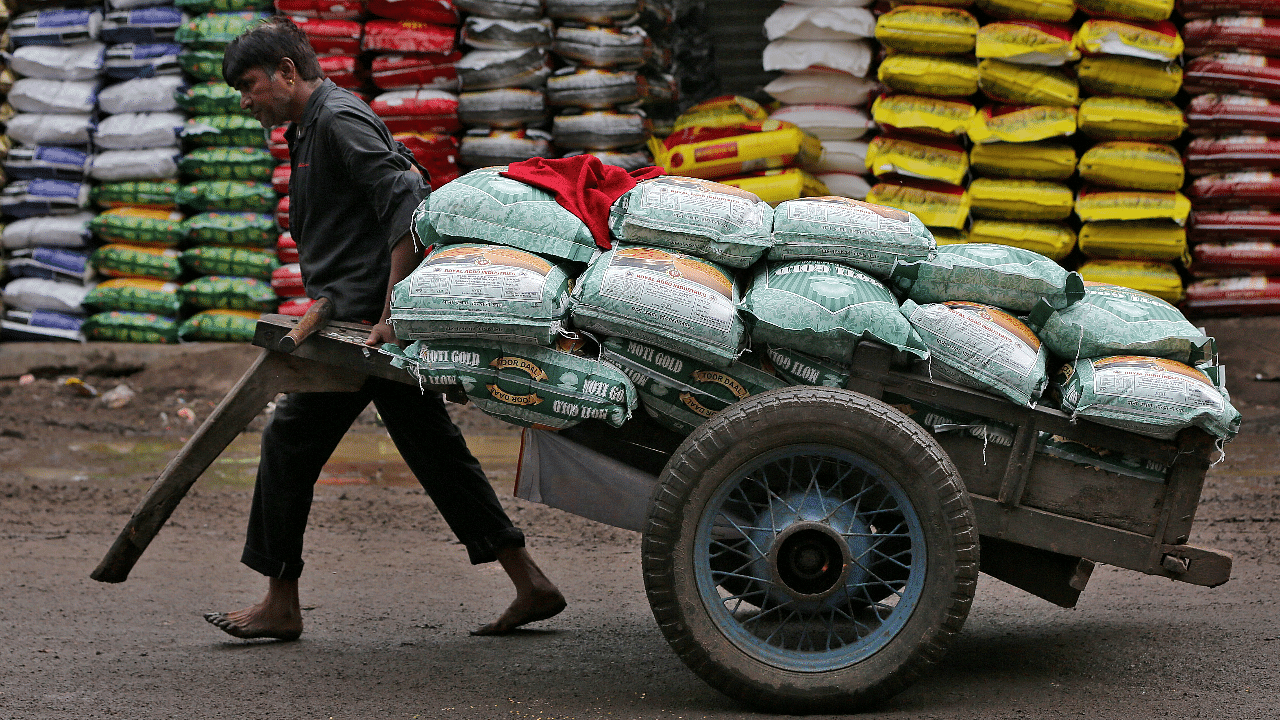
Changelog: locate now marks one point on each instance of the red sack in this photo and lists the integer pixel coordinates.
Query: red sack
(1236, 258)
(322, 9)
(408, 37)
(437, 153)
(277, 145)
(282, 213)
(1225, 34)
(286, 248)
(431, 70)
(280, 178)
(343, 70)
(418, 111)
(1236, 190)
(1232, 225)
(286, 280)
(1190, 9)
(1257, 295)
(1207, 155)
(295, 306)
(332, 37)
(1231, 114)
(1233, 73)
(440, 12)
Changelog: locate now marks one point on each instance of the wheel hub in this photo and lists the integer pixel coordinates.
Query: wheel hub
(809, 559)
(810, 545)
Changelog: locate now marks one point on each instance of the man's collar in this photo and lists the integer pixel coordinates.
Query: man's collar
(311, 111)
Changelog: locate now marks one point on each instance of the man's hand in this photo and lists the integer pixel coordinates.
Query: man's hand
(381, 334)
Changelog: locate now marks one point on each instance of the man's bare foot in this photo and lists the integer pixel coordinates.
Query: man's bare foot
(278, 616)
(524, 610)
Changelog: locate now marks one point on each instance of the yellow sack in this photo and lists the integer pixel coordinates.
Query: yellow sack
(1015, 84)
(1135, 240)
(723, 111)
(1130, 118)
(1038, 200)
(949, 236)
(1150, 10)
(939, 3)
(739, 154)
(1150, 41)
(929, 74)
(1120, 75)
(1053, 240)
(775, 186)
(922, 114)
(1154, 278)
(927, 29)
(1050, 10)
(936, 204)
(1099, 204)
(1019, 124)
(1044, 160)
(928, 160)
(1135, 165)
(1027, 42)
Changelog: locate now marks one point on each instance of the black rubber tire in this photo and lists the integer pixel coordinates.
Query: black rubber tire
(714, 454)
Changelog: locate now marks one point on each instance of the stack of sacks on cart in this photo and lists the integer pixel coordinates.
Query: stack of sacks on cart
(703, 295)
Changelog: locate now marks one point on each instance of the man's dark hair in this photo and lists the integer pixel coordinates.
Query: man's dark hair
(265, 45)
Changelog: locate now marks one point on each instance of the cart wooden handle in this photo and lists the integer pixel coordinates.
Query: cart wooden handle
(316, 317)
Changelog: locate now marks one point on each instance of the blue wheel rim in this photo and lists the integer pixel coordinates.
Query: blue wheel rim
(810, 558)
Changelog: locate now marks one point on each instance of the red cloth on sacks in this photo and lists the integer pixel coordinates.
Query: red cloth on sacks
(582, 185)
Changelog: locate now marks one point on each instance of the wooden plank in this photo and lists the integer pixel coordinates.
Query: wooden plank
(1021, 456)
(339, 344)
(1203, 566)
(1186, 481)
(1049, 575)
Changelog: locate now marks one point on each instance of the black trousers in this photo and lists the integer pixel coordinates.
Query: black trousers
(304, 431)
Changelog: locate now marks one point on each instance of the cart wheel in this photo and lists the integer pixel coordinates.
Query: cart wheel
(810, 550)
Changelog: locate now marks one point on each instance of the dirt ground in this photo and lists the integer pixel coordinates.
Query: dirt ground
(390, 597)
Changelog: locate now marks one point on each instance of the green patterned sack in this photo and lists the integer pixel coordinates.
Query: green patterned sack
(203, 65)
(1113, 320)
(228, 163)
(119, 260)
(124, 326)
(483, 206)
(679, 392)
(154, 194)
(225, 131)
(237, 229)
(136, 294)
(213, 260)
(220, 326)
(1150, 396)
(700, 217)
(824, 309)
(797, 368)
(224, 292)
(980, 346)
(674, 301)
(199, 7)
(869, 237)
(228, 195)
(139, 225)
(213, 31)
(1007, 277)
(212, 97)
(527, 385)
(483, 292)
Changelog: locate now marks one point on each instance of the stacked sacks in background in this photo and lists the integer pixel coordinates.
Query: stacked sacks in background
(503, 106)
(1130, 204)
(1233, 73)
(1021, 156)
(930, 73)
(732, 140)
(825, 56)
(614, 61)
(225, 188)
(51, 98)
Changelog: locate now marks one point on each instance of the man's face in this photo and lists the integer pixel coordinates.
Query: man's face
(265, 96)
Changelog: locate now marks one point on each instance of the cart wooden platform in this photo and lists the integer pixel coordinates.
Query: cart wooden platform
(814, 549)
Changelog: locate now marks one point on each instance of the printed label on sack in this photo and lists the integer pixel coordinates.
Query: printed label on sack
(851, 216)
(470, 273)
(1155, 383)
(681, 290)
(981, 335)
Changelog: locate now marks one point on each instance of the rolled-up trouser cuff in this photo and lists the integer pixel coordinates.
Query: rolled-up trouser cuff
(272, 568)
(485, 549)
